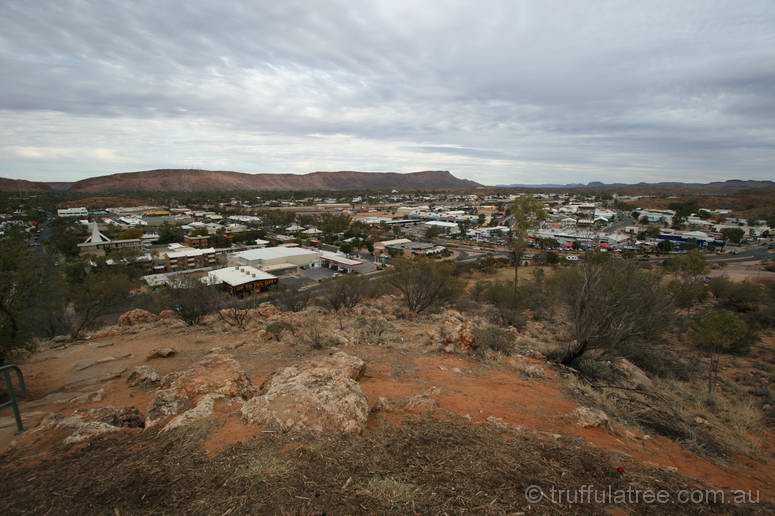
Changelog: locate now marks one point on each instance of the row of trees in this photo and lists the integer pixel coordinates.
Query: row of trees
(37, 299)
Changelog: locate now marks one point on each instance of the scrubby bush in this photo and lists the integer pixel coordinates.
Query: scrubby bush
(290, 299)
(740, 297)
(372, 330)
(276, 328)
(611, 302)
(344, 293)
(492, 338)
(424, 283)
(192, 299)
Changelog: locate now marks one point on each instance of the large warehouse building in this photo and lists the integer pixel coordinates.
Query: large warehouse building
(279, 260)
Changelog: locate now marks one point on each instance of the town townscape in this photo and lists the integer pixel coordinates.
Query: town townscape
(636, 323)
(326, 257)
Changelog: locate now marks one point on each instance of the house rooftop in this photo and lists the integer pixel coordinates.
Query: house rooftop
(272, 253)
(235, 276)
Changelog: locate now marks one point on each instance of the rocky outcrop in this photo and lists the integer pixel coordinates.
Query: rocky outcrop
(630, 375)
(136, 316)
(588, 417)
(202, 410)
(317, 396)
(161, 353)
(455, 332)
(267, 311)
(84, 425)
(143, 376)
(180, 391)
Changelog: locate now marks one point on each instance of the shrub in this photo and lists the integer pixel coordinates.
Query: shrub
(611, 302)
(372, 331)
(492, 338)
(276, 328)
(344, 293)
(740, 297)
(424, 283)
(291, 299)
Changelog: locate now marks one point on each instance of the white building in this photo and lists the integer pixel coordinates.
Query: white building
(281, 260)
(73, 212)
(449, 228)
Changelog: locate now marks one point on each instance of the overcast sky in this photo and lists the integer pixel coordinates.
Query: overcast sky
(496, 91)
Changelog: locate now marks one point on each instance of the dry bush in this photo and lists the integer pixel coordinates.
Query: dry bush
(313, 334)
(678, 410)
(373, 330)
(492, 339)
(277, 328)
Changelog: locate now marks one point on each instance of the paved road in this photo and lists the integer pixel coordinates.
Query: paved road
(755, 253)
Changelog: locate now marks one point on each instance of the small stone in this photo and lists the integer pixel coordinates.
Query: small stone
(143, 376)
(162, 353)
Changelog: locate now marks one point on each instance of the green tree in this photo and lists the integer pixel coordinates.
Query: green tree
(526, 211)
(665, 246)
(734, 235)
(101, 293)
(717, 332)
(611, 302)
(169, 234)
(424, 283)
(130, 233)
(29, 293)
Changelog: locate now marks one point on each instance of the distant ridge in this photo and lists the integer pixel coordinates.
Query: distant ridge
(21, 185)
(184, 180)
(717, 187)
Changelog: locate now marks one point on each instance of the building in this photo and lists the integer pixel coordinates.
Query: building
(488, 233)
(241, 280)
(333, 206)
(197, 242)
(410, 249)
(656, 216)
(73, 212)
(380, 248)
(338, 262)
(98, 244)
(187, 258)
(279, 260)
(699, 238)
(448, 228)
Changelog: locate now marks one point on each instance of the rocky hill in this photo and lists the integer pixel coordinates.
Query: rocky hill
(179, 180)
(21, 185)
(391, 415)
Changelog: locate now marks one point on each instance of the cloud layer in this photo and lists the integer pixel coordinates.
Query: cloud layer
(495, 91)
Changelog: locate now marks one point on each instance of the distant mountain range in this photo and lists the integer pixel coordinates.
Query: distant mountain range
(182, 180)
(187, 180)
(716, 187)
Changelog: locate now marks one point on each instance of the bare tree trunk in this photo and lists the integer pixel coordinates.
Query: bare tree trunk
(713, 367)
(516, 274)
(571, 357)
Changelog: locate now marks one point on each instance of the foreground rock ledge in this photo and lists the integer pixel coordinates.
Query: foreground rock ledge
(317, 396)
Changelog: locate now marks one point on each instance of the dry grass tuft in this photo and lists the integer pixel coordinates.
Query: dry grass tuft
(392, 491)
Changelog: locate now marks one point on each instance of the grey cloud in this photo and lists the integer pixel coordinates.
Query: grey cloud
(497, 91)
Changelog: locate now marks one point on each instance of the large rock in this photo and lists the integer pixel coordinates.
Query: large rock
(268, 311)
(182, 390)
(84, 425)
(455, 332)
(202, 410)
(143, 376)
(631, 375)
(162, 353)
(318, 396)
(136, 316)
(588, 417)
